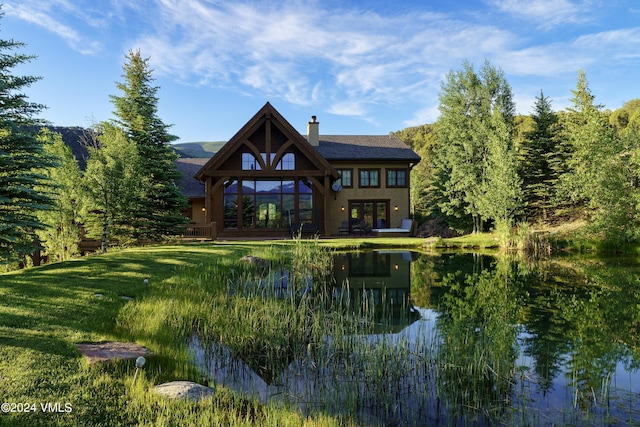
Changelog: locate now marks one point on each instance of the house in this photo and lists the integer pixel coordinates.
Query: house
(268, 180)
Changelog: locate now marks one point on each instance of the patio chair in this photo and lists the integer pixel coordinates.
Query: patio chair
(344, 228)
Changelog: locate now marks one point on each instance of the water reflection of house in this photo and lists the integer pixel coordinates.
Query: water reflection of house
(381, 279)
(268, 179)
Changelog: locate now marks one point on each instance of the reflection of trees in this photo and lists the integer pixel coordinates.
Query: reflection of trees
(423, 279)
(248, 211)
(478, 349)
(581, 316)
(604, 326)
(586, 311)
(546, 287)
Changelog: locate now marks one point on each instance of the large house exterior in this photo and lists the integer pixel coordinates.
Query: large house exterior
(269, 180)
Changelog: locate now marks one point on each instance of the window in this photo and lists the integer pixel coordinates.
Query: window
(230, 212)
(345, 178)
(267, 204)
(396, 178)
(249, 162)
(369, 178)
(288, 162)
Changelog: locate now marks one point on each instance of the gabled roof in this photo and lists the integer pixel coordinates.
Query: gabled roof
(365, 147)
(267, 112)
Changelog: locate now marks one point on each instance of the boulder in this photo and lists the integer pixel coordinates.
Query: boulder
(184, 390)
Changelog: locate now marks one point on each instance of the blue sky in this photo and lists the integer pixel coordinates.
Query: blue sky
(362, 67)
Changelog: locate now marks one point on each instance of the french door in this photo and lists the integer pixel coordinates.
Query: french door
(369, 214)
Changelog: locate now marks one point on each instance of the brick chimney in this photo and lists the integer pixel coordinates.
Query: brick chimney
(313, 132)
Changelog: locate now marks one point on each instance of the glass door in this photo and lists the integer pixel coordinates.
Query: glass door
(368, 214)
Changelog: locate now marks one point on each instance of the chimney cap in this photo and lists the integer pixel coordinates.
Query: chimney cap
(313, 119)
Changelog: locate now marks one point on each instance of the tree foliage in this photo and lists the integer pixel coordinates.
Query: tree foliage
(422, 140)
(112, 181)
(475, 160)
(539, 160)
(63, 233)
(590, 142)
(22, 157)
(158, 212)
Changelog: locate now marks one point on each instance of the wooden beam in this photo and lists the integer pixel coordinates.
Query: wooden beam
(317, 184)
(269, 175)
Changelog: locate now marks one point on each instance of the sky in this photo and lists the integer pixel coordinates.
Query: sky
(362, 67)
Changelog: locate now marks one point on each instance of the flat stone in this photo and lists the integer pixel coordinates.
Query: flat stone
(108, 351)
(184, 390)
(126, 298)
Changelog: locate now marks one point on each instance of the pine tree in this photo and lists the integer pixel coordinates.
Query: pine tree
(159, 212)
(22, 156)
(539, 158)
(590, 141)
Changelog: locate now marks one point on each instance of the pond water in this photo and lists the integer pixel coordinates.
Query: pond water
(462, 339)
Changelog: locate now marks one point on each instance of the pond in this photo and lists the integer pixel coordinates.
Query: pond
(458, 339)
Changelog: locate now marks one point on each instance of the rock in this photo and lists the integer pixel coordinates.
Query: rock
(184, 390)
(108, 351)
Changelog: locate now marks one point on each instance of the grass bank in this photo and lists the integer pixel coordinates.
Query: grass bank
(45, 311)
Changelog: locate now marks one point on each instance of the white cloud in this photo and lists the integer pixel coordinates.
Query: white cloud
(306, 55)
(345, 62)
(547, 13)
(45, 14)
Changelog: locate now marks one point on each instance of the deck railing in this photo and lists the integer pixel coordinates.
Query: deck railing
(198, 231)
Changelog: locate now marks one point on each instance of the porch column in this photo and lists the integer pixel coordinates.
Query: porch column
(325, 202)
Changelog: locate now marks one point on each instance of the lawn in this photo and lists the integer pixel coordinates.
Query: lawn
(45, 311)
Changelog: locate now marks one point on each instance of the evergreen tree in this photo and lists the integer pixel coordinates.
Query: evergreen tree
(62, 235)
(159, 212)
(475, 128)
(22, 156)
(539, 157)
(590, 142)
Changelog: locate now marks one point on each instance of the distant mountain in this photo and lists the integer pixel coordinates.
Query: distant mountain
(198, 149)
(76, 137)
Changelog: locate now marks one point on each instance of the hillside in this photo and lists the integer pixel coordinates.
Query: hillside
(198, 149)
(76, 137)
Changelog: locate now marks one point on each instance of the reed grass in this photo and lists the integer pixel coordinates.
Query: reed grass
(319, 348)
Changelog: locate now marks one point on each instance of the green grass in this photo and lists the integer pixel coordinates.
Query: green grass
(469, 241)
(45, 311)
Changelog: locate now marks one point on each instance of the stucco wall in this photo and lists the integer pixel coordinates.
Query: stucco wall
(397, 196)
